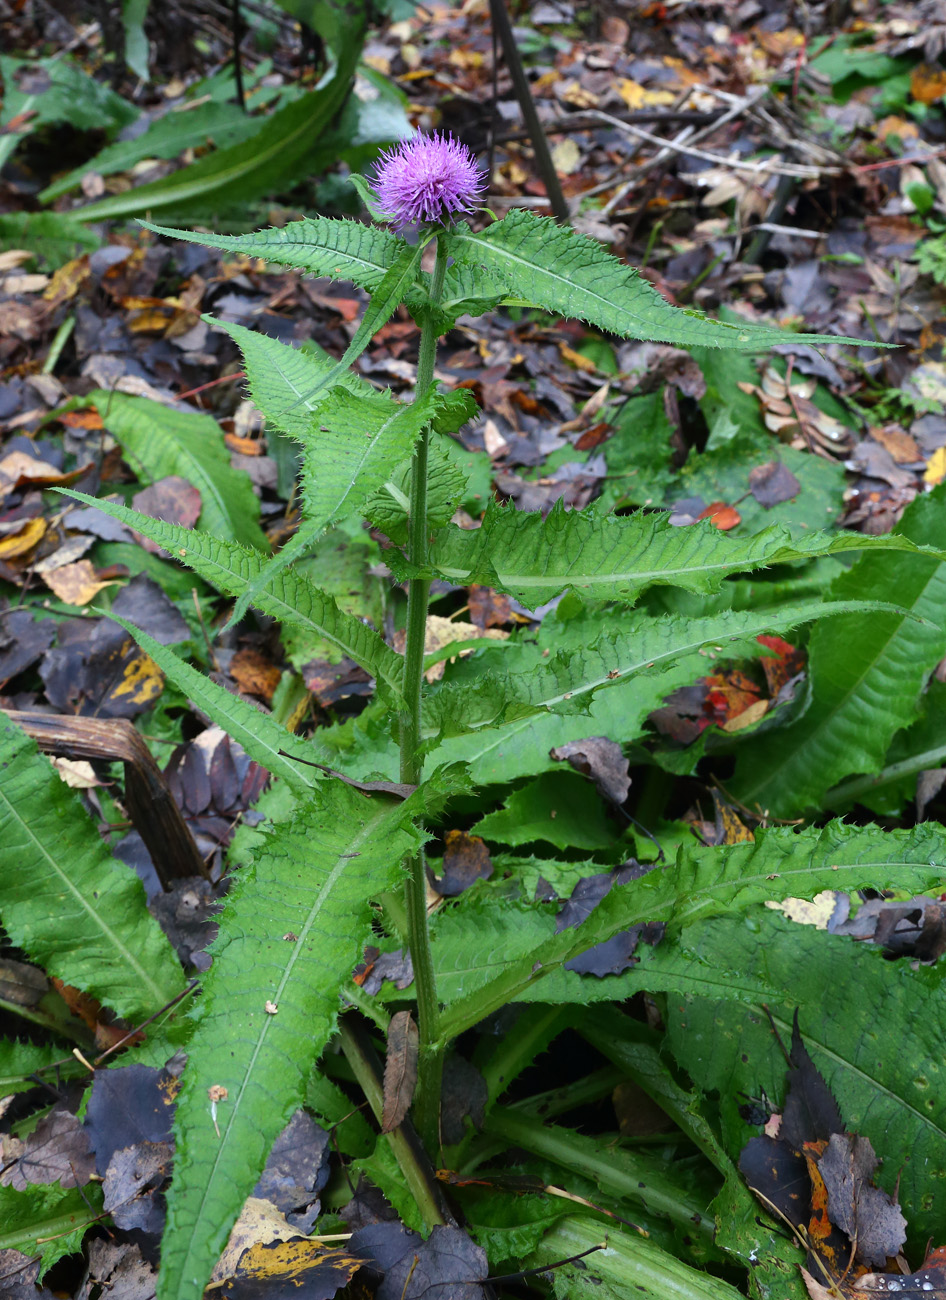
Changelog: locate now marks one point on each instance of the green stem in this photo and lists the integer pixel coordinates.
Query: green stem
(359, 1054)
(430, 1062)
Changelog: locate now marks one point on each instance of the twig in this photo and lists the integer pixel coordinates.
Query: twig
(763, 167)
(540, 144)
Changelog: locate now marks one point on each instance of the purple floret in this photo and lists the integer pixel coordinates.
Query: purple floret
(428, 180)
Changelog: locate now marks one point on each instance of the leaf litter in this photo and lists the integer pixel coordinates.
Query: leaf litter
(555, 397)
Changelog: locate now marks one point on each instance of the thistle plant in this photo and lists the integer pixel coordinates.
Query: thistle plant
(349, 857)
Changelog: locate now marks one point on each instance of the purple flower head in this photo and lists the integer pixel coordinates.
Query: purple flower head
(428, 180)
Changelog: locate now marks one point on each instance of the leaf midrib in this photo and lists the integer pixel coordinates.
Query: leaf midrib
(295, 955)
(161, 996)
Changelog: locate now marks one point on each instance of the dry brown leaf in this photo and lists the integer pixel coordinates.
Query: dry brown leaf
(76, 584)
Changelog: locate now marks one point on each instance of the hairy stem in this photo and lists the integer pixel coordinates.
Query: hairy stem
(430, 1064)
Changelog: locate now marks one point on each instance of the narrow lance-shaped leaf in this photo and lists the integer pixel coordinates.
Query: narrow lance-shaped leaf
(348, 458)
(245, 171)
(338, 248)
(161, 440)
(68, 903)
(289, 936)
(866, 674)
(263, 738)
(562, 271)
(780, 863)
(642, 645)
(291, 598)
(616, 556)
(385, 301)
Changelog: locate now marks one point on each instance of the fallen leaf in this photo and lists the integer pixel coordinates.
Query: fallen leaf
(400, 1070)
(721, 515)
(928, 83)
(29, 534)
(602, 760)
(76, 584)
(936, 468)
(772, 484)
(466, 859)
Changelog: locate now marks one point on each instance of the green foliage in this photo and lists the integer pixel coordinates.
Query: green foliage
(345, 250)
(70, 905)
(290, 597)
(889, 1092)
(162, 440)
(636, 644)
(236, 175)
(707, 882)
(615, 557)
(57, 90)
(311, 880)
(554, 267)
(866, 676)
(53, 238)
(47, 1221)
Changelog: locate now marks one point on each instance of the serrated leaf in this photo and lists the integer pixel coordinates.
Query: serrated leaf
(161, 440)
(270, 1003)
(18, 1060)
(615, 557)
(708, 882)
(385, 300)
(889, 1088)
(338, 248)
(46, 1221)
(280, 376)
(866, 673)
(354, 446)
(562, 271)
(71, 906)
(566, 682)
(291, 598)
(387, 509)
(263, 738)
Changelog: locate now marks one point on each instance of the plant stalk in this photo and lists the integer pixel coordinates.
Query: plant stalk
(430, 1061)
(418, 1175)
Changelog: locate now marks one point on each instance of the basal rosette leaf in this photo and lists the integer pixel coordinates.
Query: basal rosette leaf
(884, 1066)
(291, 598)
(615, 557)
(290, 933)
(230, 178)
(71, 906)
(563, 271)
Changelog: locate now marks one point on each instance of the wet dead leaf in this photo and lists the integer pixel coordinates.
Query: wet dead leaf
(466, 859)
(400, 1070)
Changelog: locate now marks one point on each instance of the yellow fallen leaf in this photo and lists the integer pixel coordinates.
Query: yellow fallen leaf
(24, 540)
(637, 96)
(442, 631)
(76, 584)
(566, 157)
(936, 469)
(817, 912)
